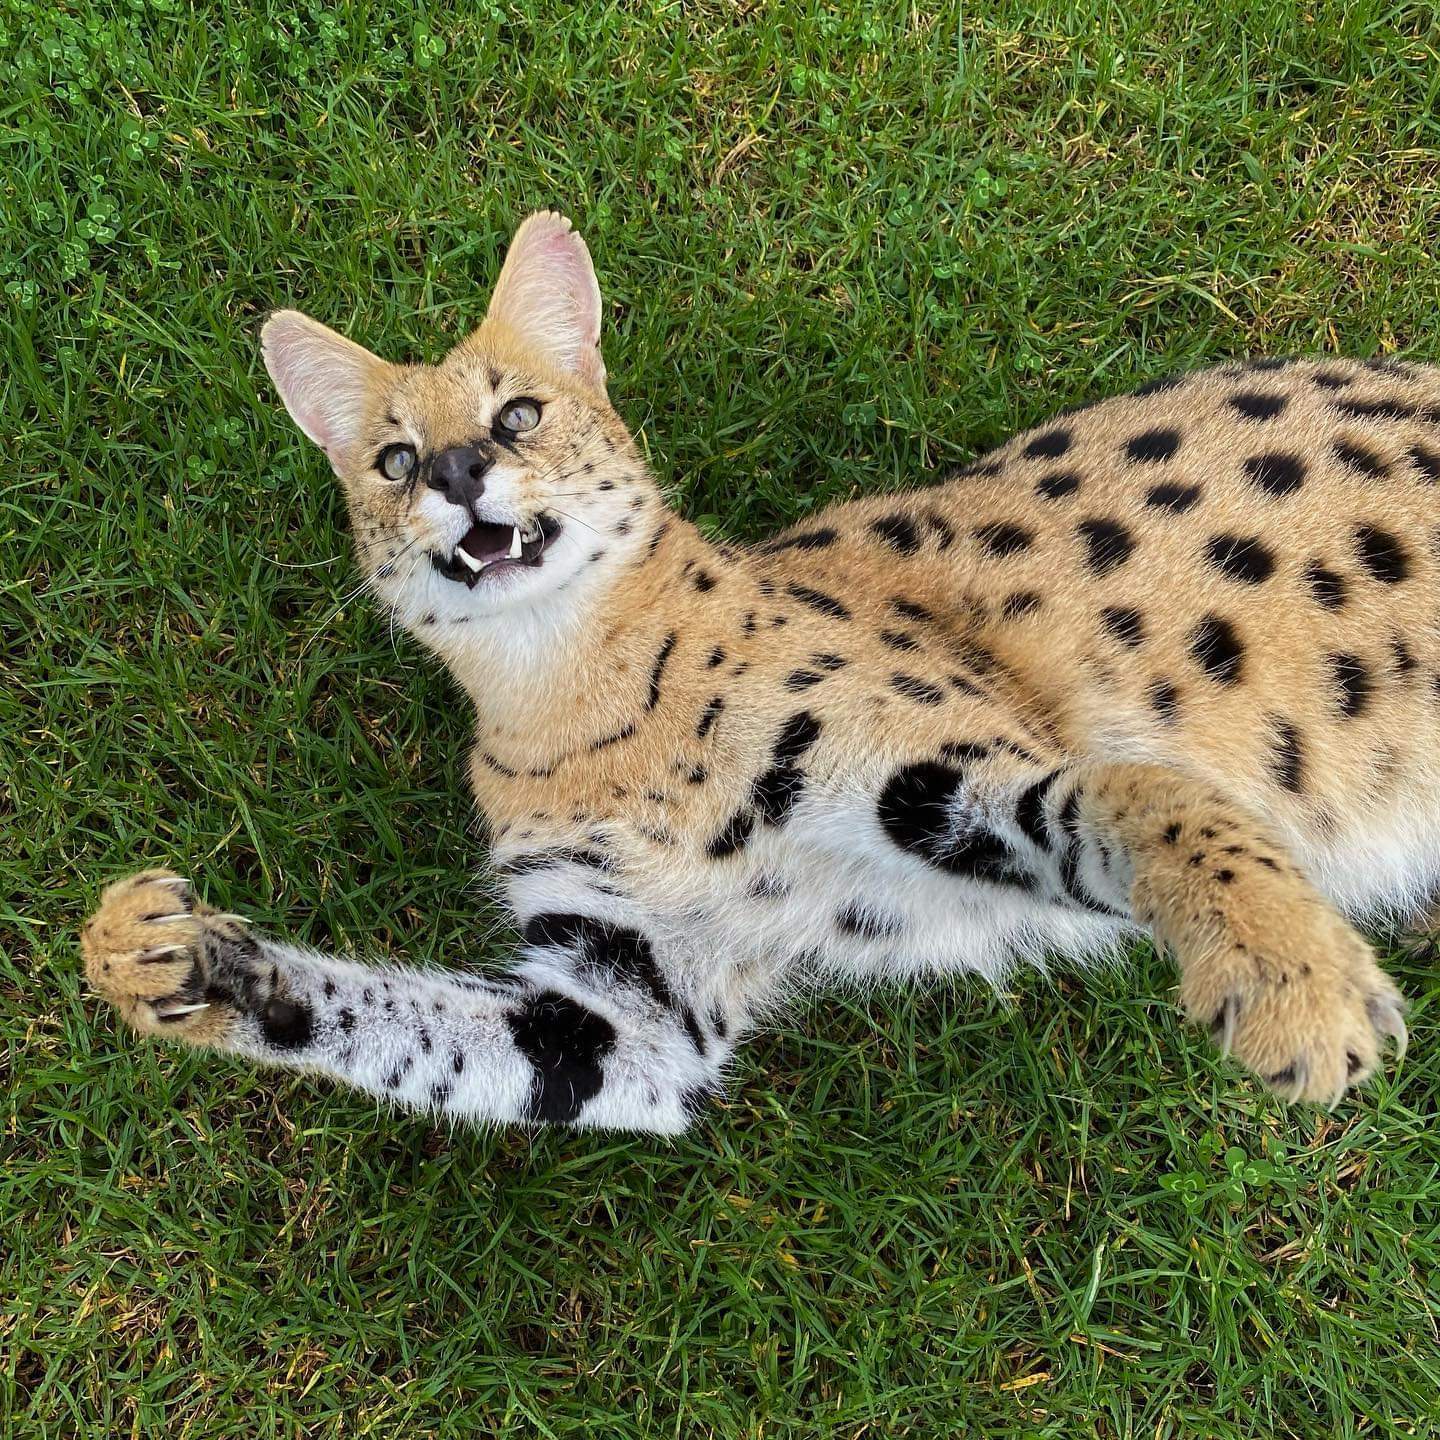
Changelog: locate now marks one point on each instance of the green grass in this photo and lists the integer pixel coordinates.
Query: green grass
(842, 246)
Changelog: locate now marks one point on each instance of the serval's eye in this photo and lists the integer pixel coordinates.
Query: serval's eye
(519, 416)
(396, 462)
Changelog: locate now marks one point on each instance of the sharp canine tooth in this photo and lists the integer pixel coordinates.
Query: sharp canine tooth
(515, 543)
(476, 565)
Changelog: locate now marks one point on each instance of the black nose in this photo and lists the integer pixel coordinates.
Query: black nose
(459, 474)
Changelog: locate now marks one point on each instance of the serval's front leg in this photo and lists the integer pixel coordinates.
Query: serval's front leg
(1275, 973)
(588, 1031)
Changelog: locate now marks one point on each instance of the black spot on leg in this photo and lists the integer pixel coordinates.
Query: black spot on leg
(1239, 557)
(286, 1024)
(1152, 446)
(810, 540)
(1328, 588)
(1030, 810)
(658, 669)
(1352, 682)
(1108, 544)
(1382, 554)
(564, 1043)
(1277, 474)
(709, 716)
(1218, 649)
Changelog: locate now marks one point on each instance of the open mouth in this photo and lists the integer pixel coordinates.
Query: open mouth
(487, 549)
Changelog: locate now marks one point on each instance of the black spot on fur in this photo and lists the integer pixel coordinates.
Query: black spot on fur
(913, 688)
(1328, 587)
(1255, 405)
(1030, 810)
(1023, 602)
(1239, 557)
(1276, 474)
(703, 581)
(1217, 649)
(733, 835)
(816, 600)
(1376, 409)
(1288, 757)
(1107, 543)
(826, 661)
(1155, 386)
(909, 609)
(1002, 539)
(658, 669)
(898, 640)
(963, 752)
(897, 531)
(1381, 554)
(802, 679)
(810, 540)
(1360, 459)
(709, 716)
(716, 657)
(1328, 380)
(1057, 484)
(856, 920)
(1176, 498)
(1427, 462)
(914, 811)
(1352, 681)
(1405, 661)
(564, 1043)
(1152, 446)
(286, 1024)
(1125, 624)
(1049, 446)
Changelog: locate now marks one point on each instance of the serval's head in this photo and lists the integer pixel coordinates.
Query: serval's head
(500, 475)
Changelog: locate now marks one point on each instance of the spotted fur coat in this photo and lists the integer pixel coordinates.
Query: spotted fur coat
(1166, 666)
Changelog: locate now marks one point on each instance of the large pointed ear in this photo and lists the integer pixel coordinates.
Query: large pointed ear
(323, 378)
(547, 296)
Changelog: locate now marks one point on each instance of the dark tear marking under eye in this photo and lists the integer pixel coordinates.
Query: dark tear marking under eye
(1241, 557)
(1164, 700)
(1328, 587)
(1255, 405)
(1176, 498)
(914, 688)
(1382, 554)
(817, 600)
(564, 1043)
(1107, 543)
(1049, 446)
(1217, 649)
(1057, 485)
(1001, 538)
(658, 669)
(914, 811)
(810, 540)
(898, 531)
(1152, 446)
(1276, 474)
(1022, 602)
(1352, 681)
(1287, 759)
(1125, 624)
(1360, 459)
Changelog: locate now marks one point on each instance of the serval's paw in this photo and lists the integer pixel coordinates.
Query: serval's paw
(170, 965)
(1306, 1007)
